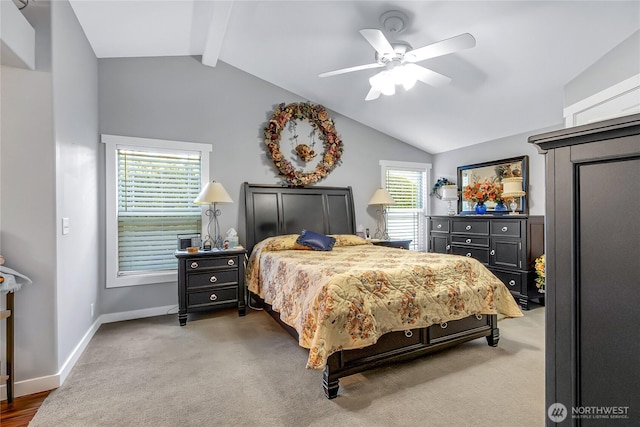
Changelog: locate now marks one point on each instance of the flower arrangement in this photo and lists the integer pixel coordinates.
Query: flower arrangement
(480, 192)
(319, 119)
(441, 182)
(541, 277)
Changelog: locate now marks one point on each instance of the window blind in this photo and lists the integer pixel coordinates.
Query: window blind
(405, 219)
(155, 204)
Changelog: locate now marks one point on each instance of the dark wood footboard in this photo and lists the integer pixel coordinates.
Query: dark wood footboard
(401, 346)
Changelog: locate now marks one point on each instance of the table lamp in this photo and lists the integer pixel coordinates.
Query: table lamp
(381, 198)
(211, 194)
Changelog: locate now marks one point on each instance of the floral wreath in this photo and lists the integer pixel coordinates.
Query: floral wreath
(319, 119)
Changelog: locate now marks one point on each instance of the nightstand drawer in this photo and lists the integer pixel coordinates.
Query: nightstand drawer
(471, 240)
(471, 227)
(209, 278)
(204, 263)
(212, 297)
(481, 255)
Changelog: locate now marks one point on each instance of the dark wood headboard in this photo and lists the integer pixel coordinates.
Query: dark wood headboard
(275, 210)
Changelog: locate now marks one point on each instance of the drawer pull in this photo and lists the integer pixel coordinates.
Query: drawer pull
(479, 316)
(194, 264)
(468, 241)
(213, 297)
(468, 254)
(493, 252)
(439, 226)
(408, 334)
(468, 227)
(231, 262)
(504, 229)
(512, 282)
(444, 325)
(448, 247)
(213, 279)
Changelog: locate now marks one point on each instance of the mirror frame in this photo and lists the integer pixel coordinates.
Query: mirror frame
(523, 206)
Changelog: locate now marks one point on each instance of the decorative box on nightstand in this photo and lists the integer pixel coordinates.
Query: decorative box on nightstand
(209, 280)
(400, 244)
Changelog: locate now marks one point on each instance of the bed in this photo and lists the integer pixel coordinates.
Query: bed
(359, 306)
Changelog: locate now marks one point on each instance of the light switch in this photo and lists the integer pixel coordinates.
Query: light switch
(65, 225)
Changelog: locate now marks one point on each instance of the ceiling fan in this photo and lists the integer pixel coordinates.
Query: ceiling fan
(399, 58)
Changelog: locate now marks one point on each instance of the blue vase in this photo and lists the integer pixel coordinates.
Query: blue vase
(481, 208)
(500, 207)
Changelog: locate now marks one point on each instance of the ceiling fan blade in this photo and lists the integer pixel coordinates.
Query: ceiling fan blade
(373, 94)
(443, 47)
(378, 41)
(350, 69)
(427, 76)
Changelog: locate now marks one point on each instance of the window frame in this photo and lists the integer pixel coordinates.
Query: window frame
(426, 203)
(112, 144)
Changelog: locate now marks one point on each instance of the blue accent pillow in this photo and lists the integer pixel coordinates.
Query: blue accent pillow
(316, 241)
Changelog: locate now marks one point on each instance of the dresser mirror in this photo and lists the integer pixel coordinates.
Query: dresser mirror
(493, 171)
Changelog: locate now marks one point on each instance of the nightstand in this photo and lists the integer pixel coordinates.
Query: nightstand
(210, 280)
(400, 244)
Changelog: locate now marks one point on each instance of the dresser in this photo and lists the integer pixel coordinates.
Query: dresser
(593, 252)
(507, 245)
(210, 279)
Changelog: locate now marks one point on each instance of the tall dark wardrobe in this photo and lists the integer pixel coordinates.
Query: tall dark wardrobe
(593, 272)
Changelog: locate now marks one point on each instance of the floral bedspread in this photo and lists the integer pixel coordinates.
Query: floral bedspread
(348, 297)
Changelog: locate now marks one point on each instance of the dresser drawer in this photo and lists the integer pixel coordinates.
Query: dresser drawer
(212, 297)
(449, 328)
(505, 228)
(204, 263)
(470, 240)
(439, 225)
(215, 278)
(471, 227)
(480, 254)
(513, 281)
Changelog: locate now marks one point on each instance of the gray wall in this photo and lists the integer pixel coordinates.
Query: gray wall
(180, 99)
(617, 65)
(446, 164)
(75, 106)
(27, 228)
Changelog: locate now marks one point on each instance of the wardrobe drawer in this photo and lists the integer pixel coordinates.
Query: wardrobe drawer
(470, 240)
(470, 227)
(481, 255)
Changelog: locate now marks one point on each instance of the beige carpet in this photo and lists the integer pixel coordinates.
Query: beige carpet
(225, 370)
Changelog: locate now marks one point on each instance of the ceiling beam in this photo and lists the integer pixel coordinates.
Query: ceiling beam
(215, 34)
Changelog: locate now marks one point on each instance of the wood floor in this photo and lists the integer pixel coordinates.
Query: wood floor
(20, 412)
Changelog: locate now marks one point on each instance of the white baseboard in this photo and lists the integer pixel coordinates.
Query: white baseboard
(50, 382)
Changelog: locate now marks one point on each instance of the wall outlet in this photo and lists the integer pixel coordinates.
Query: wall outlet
(91, 310)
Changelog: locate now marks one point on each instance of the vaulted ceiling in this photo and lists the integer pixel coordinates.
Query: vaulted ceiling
(511, 82)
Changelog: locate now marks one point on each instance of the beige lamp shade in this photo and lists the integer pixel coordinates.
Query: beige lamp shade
(381, 197)
(213, 192)
(449, 192)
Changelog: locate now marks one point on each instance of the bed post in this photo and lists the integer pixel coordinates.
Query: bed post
(330, 380)
(494, 336)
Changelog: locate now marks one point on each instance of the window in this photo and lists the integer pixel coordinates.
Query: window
(151, 185)
(408, 185)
